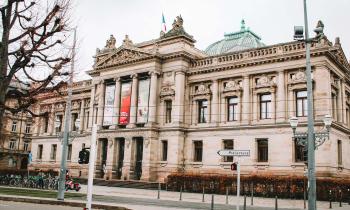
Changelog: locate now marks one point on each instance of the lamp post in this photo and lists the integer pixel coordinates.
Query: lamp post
(65, 136)
(310, 139)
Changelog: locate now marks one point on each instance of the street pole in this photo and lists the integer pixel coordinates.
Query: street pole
(91, 166)
(310, 122)
(62, 178)
(238, 183)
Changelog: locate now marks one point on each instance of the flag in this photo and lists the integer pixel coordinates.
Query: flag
(163, 23)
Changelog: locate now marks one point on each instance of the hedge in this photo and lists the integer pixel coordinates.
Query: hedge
(291, 187)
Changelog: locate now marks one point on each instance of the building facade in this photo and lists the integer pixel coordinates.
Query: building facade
(164, 106)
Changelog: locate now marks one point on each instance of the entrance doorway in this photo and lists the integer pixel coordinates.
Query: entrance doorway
(24, 163)
(121, 145)
(138, 157)
(103, 156)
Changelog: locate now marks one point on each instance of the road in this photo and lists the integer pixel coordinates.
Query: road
(8, 205)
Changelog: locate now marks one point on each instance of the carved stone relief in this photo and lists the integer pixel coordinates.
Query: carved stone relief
(265, 81)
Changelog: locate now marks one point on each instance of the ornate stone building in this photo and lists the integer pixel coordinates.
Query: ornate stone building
(164, 106)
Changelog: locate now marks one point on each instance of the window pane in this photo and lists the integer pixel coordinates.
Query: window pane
(268, 110)
(262, 110)
(301, 94)
(305, 107)
(300, 107)
(266, 97)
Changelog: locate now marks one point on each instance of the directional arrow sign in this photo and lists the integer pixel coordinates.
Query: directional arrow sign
(230, 152)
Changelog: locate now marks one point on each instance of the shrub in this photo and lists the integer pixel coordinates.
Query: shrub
(263, 185)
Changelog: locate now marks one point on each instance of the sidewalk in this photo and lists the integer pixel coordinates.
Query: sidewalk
(197, 198)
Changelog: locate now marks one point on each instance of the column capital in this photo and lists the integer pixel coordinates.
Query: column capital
(153, 72)
(246, 76)
(215, 80)
(179, 72)
(116, 79)
(134, 76)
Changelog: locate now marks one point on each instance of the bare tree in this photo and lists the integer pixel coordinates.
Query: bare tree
(33, 52)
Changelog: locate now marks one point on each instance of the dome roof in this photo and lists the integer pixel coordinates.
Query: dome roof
(232, 42)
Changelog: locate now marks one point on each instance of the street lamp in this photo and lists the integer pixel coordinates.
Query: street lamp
(310, 138)
(319, 137)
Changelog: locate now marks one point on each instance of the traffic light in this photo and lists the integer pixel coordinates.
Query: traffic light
(84, 156)
(234, 167)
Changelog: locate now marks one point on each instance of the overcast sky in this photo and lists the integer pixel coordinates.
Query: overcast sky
(206, 20)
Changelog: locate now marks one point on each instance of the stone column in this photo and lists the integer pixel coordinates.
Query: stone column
(273, 105)
(255, 114)
(215, 103)
(322, 92)
(81, 115)
(149, 158)
(291, 103)
(101, 102)
(152, 112)
(194, 112)
(51, 123)
(127, 158)
(91, 112)
(133, 102)
(340, 102)
(116, 102)
(223, 111)
(343, 101)
(281, 100)
(179, 98)
(245, 101)
(110, 157)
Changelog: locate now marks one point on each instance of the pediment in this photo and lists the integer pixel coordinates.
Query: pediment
(122, 55)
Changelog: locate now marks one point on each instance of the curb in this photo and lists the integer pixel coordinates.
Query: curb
(62, 203)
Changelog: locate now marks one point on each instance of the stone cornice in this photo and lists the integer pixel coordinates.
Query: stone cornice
(269, 54)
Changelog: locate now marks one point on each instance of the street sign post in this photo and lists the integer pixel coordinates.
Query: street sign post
(231, 152)
(236, 153)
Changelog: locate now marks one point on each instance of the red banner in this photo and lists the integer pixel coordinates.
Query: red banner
(125, 103)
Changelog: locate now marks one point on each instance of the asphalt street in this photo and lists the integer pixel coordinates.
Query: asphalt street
(8, 205)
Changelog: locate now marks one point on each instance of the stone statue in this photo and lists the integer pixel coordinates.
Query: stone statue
(178, 23)
(127, 41)
(110, 43)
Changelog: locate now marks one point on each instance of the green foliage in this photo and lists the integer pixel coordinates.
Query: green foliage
(264, 185)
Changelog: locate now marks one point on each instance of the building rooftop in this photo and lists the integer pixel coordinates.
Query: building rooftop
(241, 40)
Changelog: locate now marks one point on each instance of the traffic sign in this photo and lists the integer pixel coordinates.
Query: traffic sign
(231, 152)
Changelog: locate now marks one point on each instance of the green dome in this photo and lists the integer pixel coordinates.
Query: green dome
(232, 42)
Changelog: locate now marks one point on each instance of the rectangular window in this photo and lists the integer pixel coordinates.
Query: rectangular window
(164, 150)
(46, 124)
(168, 109)
(340, 153)
(27, 130)
(74, 119)
(69, 156)
(53, 151)
(300, 152)
(59, 119)
(263, 152)
(12, 144)
(228, 144)
(202, 111)
(40, 152)
(14, 126)
(301, 103)
(265, 106)
(198, 151)
(232, 105)
(26, 146)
